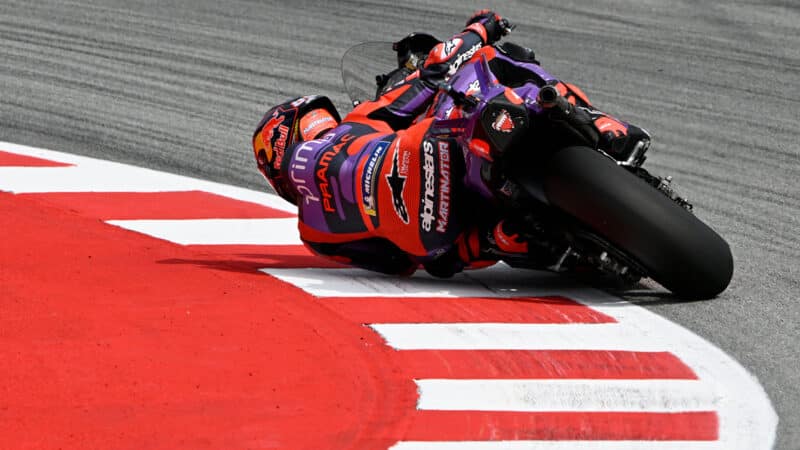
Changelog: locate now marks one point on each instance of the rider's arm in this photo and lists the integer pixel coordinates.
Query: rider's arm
(483, 28)
(406, 101)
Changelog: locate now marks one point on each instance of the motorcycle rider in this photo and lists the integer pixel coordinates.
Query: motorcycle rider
(382, 190)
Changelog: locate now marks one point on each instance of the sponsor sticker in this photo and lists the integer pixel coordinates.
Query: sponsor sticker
(368, 187)
(503, 123)
(427, 202)
(436, 185)
(404, 159)
(444, 187)
(462, 58)
(276, 145)
(315, 122)
(301, 164)
(322, 179)
(397, 184)
(450, 47)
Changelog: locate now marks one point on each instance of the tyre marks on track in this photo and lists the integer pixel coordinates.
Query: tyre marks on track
(501, 359)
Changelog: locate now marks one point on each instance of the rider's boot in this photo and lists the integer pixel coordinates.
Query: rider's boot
(505, 239)
(626, 143)
(502, 241)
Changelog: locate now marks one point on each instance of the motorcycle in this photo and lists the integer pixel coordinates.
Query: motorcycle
(584, 208)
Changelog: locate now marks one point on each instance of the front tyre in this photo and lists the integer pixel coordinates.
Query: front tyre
(678, 250)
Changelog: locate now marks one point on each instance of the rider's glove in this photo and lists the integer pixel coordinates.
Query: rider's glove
(489, 25)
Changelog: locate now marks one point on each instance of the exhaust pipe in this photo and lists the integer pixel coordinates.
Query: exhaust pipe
(550, 98)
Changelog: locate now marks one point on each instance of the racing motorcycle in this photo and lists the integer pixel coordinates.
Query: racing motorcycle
(584, 208)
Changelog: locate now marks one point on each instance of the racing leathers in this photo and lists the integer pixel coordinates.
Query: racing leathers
(385, 192)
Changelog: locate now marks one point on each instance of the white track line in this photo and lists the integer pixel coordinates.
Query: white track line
(94, 178)
(218, 231)
(516, 336)
(567, 395)
(563, 445)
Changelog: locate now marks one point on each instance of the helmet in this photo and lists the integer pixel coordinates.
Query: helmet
(282, 127)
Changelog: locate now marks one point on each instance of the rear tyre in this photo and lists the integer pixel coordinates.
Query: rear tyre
(678, 250)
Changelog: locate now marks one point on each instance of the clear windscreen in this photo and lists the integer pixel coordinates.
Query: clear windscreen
(361, 63)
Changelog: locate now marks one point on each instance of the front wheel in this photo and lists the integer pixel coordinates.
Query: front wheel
(678, 250)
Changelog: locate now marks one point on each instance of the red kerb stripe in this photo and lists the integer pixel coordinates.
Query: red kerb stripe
(15, 160)
(159, 205)
(451, 310)
(543, 364)
(492, 425)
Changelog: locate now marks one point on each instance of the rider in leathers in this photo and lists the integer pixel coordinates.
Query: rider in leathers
(381, 190)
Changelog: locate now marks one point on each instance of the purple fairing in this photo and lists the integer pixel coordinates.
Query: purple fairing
(477, 80)
(466, 80)
(531, 67)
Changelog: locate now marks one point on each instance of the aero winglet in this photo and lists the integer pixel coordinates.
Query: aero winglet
(482, 72)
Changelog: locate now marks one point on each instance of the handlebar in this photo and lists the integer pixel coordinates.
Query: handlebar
(459, 98)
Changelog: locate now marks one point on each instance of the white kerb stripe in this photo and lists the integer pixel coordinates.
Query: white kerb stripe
(361, 283)
(561, 445)
(95, 175)
(92, 178)
(581, 395)
(516, 336)
(218, 231)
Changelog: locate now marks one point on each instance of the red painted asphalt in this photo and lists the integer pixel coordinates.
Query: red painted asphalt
(111, 339)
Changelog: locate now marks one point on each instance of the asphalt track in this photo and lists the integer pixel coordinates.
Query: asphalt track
(178, 86)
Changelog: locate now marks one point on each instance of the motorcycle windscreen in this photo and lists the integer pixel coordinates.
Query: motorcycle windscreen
(361, 63)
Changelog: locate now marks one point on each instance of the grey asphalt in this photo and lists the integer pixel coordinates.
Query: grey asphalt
(178, 85)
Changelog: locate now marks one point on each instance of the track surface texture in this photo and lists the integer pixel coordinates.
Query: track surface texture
(179, 85)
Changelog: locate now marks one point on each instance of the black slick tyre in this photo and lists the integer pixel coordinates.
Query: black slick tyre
(678, 250)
